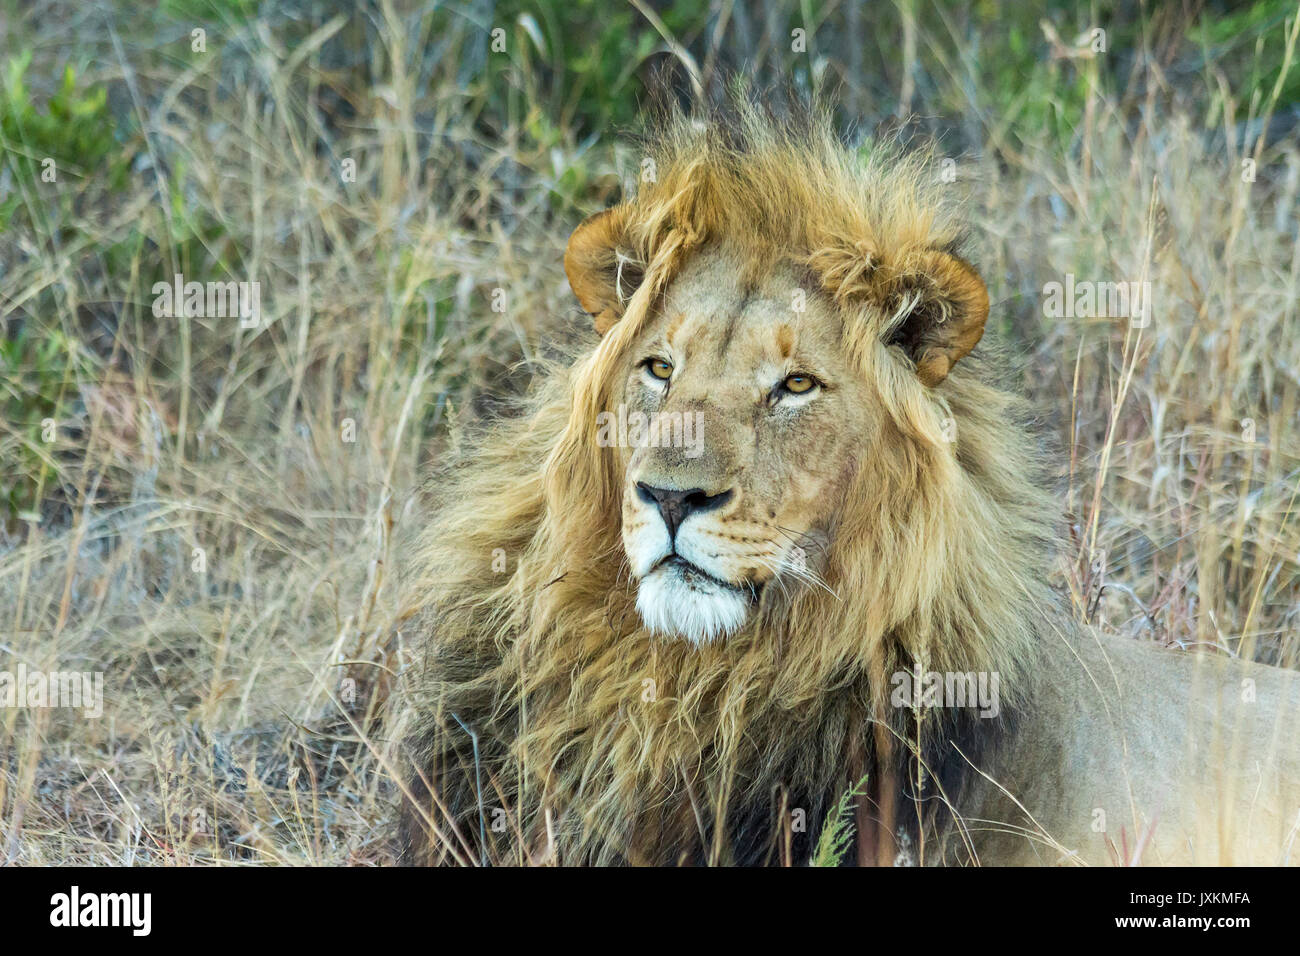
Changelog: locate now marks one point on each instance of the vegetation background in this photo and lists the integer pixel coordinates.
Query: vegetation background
(195, 524)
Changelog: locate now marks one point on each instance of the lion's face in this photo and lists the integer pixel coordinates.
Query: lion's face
(750, 384)
(757, 421)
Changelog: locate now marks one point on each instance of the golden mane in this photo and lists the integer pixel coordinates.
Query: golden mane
(539, 693)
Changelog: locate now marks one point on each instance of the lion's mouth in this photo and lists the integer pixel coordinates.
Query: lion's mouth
(694, 575)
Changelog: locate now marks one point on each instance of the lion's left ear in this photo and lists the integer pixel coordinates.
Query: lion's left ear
(945, 307)
(601, 272)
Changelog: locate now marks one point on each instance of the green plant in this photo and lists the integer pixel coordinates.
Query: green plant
(583, 59)
(73, 135)
(838, 831)
(36, 368)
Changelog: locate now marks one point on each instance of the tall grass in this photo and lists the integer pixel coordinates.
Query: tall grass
(217, 519)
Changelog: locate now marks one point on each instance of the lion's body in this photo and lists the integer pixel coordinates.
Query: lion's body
(556, 715)
(1130, 752)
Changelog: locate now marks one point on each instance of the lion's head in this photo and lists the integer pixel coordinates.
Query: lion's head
(776, 478)
(792, 326)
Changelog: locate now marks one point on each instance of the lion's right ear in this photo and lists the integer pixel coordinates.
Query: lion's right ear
(601, 272)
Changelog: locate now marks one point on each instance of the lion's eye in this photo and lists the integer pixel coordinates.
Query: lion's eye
(798, 384)
(659, 369)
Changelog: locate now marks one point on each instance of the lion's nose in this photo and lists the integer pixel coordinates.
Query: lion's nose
(675, 506)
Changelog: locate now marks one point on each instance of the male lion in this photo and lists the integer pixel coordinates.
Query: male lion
(689, 601)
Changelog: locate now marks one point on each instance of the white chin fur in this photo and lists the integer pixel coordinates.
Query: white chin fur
(697, 610)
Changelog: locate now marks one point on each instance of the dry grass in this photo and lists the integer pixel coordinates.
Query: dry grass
(224, 737)
(1182, 440)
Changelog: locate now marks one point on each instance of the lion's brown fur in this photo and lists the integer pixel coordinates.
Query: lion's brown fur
(539, 692)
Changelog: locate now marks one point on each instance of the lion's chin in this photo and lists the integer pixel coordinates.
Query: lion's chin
(678, 600)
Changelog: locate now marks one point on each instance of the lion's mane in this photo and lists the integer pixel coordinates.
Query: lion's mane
(538, 693)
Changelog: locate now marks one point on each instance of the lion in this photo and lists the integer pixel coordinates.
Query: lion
(776, 544)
